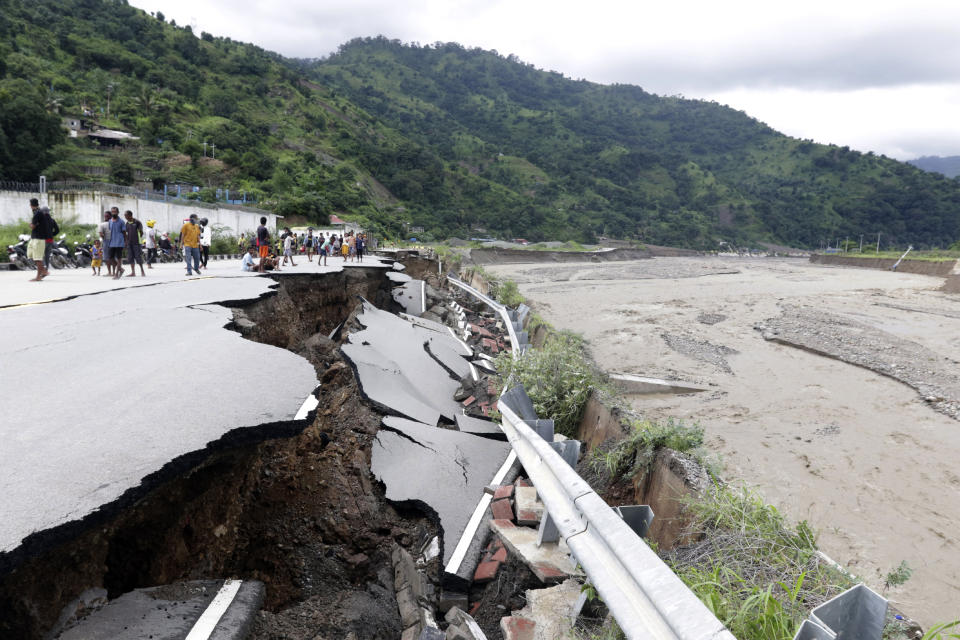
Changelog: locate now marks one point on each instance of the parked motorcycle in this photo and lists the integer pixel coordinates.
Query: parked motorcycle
(17, 254)
(60, 255)
(83, 252)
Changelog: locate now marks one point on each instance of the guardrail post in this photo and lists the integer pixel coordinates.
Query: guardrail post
(518, 400)
(812, 631)
(638, 517)
(856, 614)
(569, 450)
(543, 426)
(548, 531)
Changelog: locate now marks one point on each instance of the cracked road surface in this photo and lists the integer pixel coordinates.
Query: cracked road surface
(101, 391)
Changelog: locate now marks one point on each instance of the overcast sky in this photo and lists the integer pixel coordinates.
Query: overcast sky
(880, 76)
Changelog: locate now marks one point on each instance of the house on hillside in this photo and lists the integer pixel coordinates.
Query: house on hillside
(111, 137)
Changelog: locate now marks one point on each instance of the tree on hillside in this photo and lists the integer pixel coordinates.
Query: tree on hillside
(28, 133)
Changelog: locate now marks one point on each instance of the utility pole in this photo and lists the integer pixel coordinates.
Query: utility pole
(214, 150)
(845, 241)
(878, 242)
(861, 243)
(109, 91)
(204, 148)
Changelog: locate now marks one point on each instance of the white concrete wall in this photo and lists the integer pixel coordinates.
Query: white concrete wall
(87, 207)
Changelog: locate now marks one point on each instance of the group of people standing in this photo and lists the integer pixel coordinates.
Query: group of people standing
(119, 236)
(350, 245)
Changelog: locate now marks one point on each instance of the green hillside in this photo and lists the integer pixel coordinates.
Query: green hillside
(458, 141)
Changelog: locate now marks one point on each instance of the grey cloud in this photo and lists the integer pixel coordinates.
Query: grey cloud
(884, 58)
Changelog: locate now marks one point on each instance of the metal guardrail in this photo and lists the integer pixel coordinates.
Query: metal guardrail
(516, 347)
(647, 599)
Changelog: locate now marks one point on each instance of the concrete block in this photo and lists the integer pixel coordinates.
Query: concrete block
(409, 610)
(553, 610)
(411, 633)
(529, 509)
(450, 600)
(518, 628)
(550, 562)
(431, 633)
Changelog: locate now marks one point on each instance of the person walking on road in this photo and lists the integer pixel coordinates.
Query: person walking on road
(288, 247)
(134, 253)
(150, 236)
(52, 229)
(104, 230)
(263, 242)
(96, 256)
(118, 234)
(206, 234)
(37, 244)
(324, 251)
(190, 241)
(309, 243)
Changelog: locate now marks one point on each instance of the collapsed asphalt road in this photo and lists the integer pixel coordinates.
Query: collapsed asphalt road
(191, 463)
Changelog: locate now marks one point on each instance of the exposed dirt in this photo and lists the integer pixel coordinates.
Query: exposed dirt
(867, 460)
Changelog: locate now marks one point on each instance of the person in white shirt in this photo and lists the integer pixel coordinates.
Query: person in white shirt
(206, 234)
(248, 263)
(288, 247)
(150, 238)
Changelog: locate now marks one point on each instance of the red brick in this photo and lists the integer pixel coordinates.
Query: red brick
(550, 574)
(527, 516)
(500, 555)
(517, 628)
(504, 524)
(469, 401)
(503, 491)
(486, 571)
(474, 608)
(501, 510)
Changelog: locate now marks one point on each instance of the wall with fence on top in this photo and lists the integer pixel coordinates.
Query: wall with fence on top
(85, 203)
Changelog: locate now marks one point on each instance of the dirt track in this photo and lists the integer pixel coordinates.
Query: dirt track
(868, 460)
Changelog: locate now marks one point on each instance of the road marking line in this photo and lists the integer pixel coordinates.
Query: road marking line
(206, 623)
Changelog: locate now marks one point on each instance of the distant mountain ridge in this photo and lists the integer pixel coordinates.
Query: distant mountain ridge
(947, 165)
(443, 137)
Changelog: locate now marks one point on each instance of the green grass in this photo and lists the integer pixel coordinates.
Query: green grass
(756, 573)
(944, 255)
(637, 450)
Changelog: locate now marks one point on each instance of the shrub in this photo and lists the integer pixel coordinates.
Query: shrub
(557, 377)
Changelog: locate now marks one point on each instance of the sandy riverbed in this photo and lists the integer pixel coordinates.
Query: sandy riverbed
(864, 458)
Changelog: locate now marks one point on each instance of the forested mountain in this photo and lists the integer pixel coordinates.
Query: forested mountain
(439, 136)
(948, 166)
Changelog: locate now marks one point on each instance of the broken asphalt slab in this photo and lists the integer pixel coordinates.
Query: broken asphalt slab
(108, 390)
(396, 372)
(226, 610)
(443, 469)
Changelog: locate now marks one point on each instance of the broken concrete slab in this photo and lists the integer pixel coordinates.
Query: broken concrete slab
(550, 562)
(519, 628)
(442, 469)
(553, 611)
(462, 626)
(170, 612)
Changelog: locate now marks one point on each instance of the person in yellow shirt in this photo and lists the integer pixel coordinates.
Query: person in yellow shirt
(190, 241)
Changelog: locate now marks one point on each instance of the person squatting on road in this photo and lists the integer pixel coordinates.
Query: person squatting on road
(190, 240)
(134, 254)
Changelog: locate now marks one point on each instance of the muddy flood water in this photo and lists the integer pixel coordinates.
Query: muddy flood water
(869, 461)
